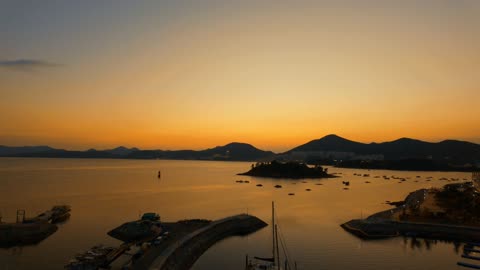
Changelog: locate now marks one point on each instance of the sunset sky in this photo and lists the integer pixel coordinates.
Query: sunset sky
(196, 74)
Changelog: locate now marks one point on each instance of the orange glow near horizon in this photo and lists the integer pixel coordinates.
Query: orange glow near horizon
(274, 76)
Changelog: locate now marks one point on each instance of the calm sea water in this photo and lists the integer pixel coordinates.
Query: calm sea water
(106, 193)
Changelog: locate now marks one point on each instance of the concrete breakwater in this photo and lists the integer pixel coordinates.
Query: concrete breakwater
(183, 253)
(382, 228)
(29, 231)
(14, 234)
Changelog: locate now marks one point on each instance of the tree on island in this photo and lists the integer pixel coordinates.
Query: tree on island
(277, 169)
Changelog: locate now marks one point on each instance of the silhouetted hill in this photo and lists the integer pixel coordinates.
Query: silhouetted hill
(237, 151)
(232, 151)
(122, 151)
(448, 151)
(331, 143)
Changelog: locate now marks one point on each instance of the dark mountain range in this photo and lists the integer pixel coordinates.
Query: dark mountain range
(8, 150)
(122, 151)
(232, 152)
(452, 151)
(445, 152)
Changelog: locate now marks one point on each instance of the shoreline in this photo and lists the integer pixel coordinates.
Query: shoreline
(381, 228)
(382, 225)
(286, 177)
(252, 160)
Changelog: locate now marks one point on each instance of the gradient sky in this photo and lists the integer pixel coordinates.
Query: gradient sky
(195, 74)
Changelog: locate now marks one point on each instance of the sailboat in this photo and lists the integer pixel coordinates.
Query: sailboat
(269, 263)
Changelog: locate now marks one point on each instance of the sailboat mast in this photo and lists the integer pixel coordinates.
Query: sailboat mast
(276, 240)
(273, 232)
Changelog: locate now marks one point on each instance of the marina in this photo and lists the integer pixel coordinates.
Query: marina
(239, 135)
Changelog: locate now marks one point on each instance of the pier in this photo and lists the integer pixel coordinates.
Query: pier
(33, 230)
(182, 253)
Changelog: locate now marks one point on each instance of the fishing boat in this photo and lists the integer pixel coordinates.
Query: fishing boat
(269, 263)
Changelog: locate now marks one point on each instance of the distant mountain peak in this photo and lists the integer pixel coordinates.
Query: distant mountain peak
(331, 142)
(238, 144)
(122, 150)
(406, 140)
(333, 137)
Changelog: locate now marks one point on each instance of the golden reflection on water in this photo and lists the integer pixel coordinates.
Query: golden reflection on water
(106, 193)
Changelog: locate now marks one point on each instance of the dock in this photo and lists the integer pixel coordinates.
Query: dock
(29, 231)
(468, 265)
(467, 250)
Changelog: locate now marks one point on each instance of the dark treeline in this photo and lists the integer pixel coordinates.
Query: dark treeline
(276, 169)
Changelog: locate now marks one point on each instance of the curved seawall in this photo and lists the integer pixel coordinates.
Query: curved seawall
(183, 253)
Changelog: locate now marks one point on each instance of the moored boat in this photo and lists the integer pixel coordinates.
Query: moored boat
(269, 263)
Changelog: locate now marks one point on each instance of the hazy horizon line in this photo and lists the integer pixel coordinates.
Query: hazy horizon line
(159, 148)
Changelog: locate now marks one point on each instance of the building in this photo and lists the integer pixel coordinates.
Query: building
(476, 180)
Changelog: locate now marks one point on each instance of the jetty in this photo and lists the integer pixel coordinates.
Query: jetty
(183, 253)
(29, 231)
(152, 244)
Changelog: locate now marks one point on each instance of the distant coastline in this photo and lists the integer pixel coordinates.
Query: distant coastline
(406, 165)
(401, 154)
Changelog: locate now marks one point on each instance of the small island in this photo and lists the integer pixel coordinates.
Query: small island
(294, 170)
